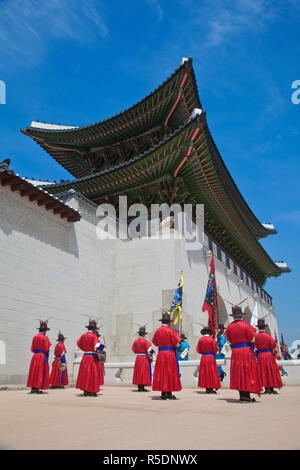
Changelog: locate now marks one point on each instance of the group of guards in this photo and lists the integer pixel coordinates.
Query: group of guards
(253, 363)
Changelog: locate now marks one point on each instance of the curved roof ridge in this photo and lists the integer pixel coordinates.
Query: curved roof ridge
(127, 162)
(186, 64)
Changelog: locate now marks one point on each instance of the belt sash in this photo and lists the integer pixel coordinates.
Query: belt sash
(240, 345)
(244, 345)
(263, 350)
(170, 348)
(208, 354)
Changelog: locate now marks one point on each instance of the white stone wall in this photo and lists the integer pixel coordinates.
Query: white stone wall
(50, 268)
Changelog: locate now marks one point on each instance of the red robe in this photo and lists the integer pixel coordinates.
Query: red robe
(208, 370)
(166, 375)
(56, 374)
(38, 376)
(243, 369)
(141, 373)
(267, 368)
(89, 372)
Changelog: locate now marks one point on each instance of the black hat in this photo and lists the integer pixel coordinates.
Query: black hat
(261, 324)
(166, 317)
(92, 325)
(43, 325)
(60, 336)
(206, 331)
(142, 331)
(182, 336)
(221, 326)
(236, 311)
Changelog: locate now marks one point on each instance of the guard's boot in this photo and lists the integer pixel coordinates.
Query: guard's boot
(245, 397)
(170, 396)
(163, 395)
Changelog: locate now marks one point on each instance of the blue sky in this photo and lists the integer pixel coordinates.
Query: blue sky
(75, 63)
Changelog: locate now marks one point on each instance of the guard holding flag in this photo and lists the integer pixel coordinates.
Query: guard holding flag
(221, 341)
(166, 373)
(142, 374)
(266, 363)
(182, 350)
(38, 377)
(243, 369)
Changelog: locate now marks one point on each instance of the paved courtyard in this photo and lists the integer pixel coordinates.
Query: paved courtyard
(122, 418)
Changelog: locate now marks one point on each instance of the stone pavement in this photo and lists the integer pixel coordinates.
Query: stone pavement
(121, 418)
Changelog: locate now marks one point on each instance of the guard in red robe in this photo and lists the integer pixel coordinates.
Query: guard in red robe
(59, 373)
(166, 373)
(266, 359)
(88, 378)
(243, 369)
(38, 376)
(208, 370)
(142, 374)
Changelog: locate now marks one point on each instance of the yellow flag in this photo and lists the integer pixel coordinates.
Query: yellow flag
(176, 306)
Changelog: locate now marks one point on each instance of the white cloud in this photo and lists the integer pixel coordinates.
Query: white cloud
(27, 25)
(221, 22)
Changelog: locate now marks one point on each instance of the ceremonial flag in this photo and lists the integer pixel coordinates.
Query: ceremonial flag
(210, 303)
(277, 348)
(254, 317)
(276, 339)
(283, 348)
(277, 357)
(176, 306)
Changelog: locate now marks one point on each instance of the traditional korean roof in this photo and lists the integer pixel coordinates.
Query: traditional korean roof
(186, 167)
(36, 194)
(161, 150)
(85, 149)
